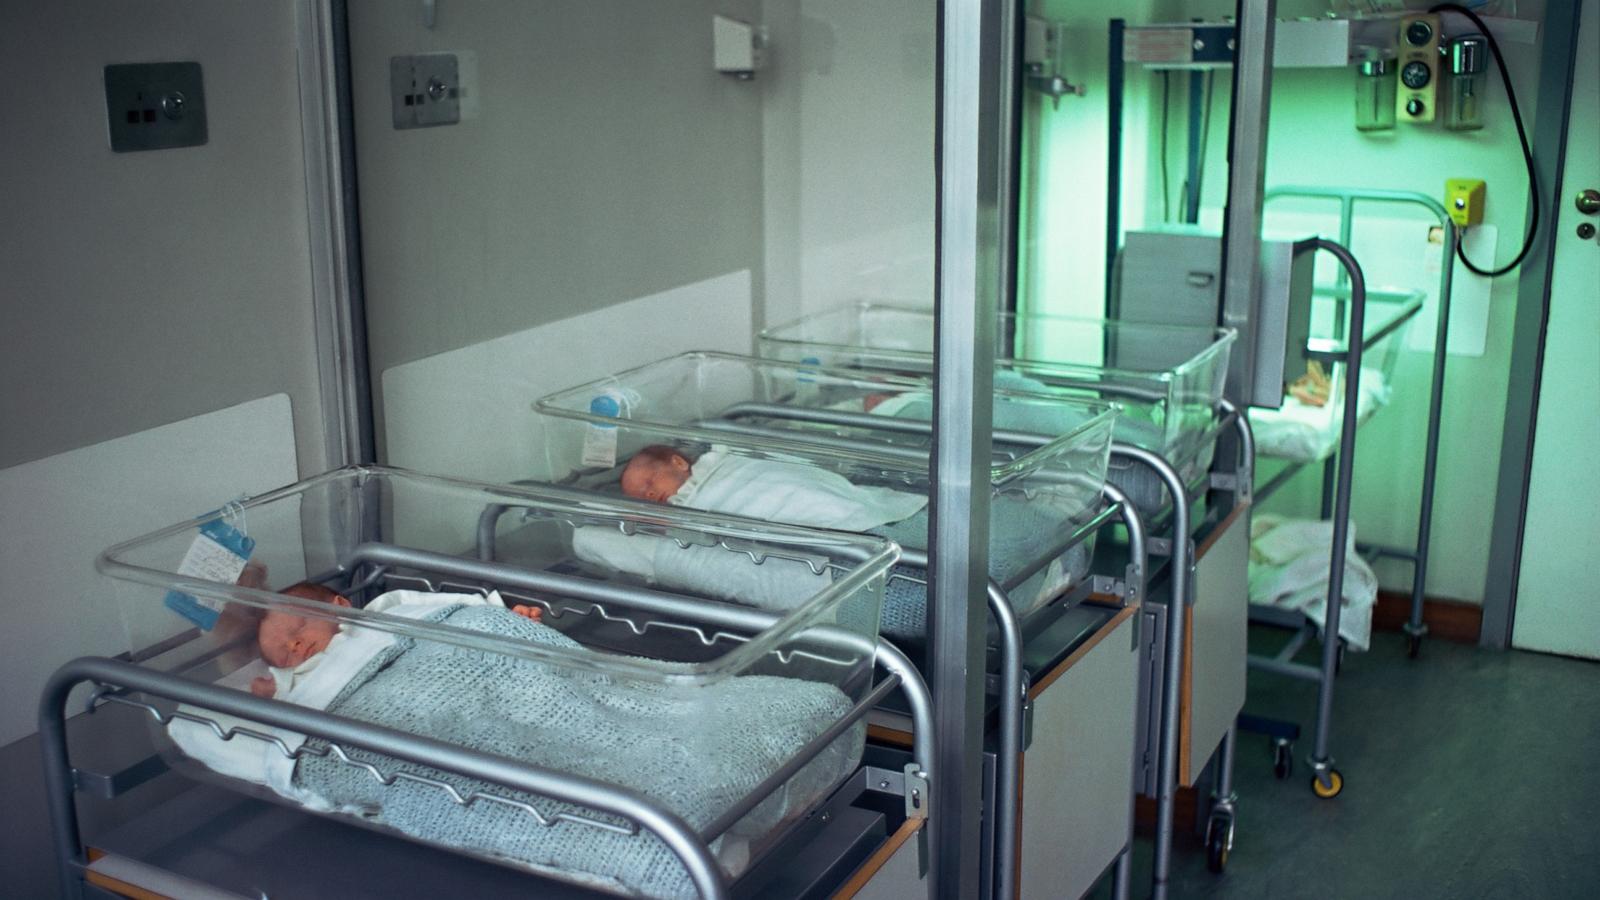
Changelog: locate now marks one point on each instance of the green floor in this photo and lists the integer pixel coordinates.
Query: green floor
(1468, 774)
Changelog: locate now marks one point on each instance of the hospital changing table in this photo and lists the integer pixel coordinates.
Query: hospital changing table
(1168, 381)
(152, 817)
(842, 421)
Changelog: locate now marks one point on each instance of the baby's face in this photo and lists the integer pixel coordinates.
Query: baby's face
(653, 479)
(288, 640)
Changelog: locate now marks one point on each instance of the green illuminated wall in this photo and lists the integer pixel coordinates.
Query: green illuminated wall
(1311, 142)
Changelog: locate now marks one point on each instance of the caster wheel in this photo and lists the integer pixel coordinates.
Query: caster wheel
(1331, 789)
(1219, 843)
(1413, 645)
(1282, 759)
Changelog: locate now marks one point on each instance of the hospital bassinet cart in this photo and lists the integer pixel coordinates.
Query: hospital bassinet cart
(865, 426)
(1168, 380)
(130, 809)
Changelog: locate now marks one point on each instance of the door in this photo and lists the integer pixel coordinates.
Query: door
(1558, 600)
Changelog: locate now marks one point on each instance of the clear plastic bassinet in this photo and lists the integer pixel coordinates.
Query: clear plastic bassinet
(610, 657)
(1167, 379)
(870, 428)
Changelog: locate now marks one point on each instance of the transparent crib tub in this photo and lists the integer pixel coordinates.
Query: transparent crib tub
(1166, 379)
(658, 692)
(1306, 428)
(869, 429)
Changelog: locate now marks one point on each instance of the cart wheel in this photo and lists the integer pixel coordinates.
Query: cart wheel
(1219, 842)
(1282, 759)
(1413, 645)
(1331, 789)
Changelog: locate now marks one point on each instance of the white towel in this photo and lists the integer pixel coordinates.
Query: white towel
(1289, 566)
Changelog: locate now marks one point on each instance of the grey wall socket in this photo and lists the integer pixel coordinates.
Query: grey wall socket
(154, 106)
(425, 90)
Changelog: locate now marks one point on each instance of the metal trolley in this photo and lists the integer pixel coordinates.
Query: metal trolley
(1338, 477)
(842, 431)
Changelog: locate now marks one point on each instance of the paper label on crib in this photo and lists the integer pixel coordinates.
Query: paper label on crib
(600, 446)
(218, 554)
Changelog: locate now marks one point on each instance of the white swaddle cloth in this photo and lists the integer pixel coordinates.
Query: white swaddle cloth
(769, 490)
(1289, 561)
(791, 493)
(312, 684)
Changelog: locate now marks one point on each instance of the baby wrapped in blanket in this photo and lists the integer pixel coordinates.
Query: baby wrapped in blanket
(795, 493)
(695, 749)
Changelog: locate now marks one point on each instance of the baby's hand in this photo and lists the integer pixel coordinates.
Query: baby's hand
(263, 686)
(529, 612)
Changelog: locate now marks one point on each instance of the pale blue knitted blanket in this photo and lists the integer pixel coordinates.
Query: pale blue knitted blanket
(696, 750)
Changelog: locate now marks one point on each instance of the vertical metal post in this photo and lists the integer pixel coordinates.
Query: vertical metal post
(1247, 151)
(967, 291)
(1430, 465)
(1114, 77)
(1320, 762)
(60, 792)
(340, 326)
(1196, 175)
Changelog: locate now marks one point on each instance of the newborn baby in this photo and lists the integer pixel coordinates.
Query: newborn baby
(288, 641)
(793, 493)
(655, 473)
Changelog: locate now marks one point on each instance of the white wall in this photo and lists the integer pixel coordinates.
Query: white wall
(469, 412)
(157, 338)
(601, 159)
(848, 124)
(1311, 142)
(144, 288)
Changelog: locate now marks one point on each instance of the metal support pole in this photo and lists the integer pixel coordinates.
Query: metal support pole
(1013, 689)
(1114, 86)
(1430, 466)
(1191, 184)
(968, 291)
(1122, 872)
(1172, 674)
(1321, 764)
(1247, 151)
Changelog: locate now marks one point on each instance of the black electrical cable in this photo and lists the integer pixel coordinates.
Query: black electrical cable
(1522, 135)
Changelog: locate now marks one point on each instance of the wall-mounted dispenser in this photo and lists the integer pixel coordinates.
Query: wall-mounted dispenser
(1418, 97)
(737, 48)
(1468, 60)
(1376, 81)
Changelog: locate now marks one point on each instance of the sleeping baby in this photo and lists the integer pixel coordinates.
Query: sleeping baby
(649, 735)
(789, 492)
(795, 493)
(288, 642)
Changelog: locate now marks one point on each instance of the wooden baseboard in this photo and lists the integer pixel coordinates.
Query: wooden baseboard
(1451, 620)
(1185, 810)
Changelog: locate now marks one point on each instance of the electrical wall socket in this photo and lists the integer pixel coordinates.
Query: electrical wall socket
(154, 106)
(425, 90)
